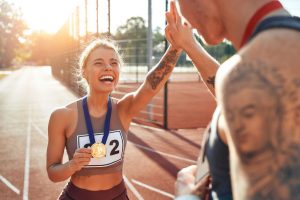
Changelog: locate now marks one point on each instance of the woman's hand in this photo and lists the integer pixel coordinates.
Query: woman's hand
(178, 33)
(81, 157)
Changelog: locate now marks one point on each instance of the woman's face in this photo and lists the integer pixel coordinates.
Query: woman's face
(102, 70)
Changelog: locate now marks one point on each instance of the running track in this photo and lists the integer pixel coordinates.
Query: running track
(28, 96)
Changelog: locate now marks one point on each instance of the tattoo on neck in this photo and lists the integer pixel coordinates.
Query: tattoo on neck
(164, 67)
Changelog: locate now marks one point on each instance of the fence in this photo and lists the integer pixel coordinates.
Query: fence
(184, 97)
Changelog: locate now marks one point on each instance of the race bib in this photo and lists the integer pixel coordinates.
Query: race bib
(114, 148)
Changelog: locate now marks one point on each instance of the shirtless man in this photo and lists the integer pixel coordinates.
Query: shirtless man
(258, 91)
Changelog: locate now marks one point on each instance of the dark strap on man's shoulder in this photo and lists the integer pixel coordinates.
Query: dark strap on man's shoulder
(287, 22)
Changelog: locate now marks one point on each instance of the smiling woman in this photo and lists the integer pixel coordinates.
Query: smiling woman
(82, 127)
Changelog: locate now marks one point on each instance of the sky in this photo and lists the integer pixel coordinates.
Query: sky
(50, 15)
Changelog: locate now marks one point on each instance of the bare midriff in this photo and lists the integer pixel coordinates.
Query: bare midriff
(97, 182)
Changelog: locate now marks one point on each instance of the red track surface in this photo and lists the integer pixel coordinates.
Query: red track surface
(152, 159)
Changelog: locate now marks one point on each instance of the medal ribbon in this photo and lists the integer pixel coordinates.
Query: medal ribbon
(88, 121)
(259, 14)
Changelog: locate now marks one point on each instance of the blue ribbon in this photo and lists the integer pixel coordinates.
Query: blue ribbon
(88, 121)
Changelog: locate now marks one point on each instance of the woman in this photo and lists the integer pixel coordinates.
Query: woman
(94, 129)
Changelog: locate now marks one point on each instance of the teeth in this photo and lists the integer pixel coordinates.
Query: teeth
(106, 78)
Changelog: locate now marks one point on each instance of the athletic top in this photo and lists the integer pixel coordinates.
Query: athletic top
(216, 151)
(217, 154)
(115, 145)
(286, 22)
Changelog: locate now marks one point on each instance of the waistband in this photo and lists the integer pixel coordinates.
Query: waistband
(71, 192)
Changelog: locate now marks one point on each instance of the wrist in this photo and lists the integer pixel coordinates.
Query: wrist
(71, 167)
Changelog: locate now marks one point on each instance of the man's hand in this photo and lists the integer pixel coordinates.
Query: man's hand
(185, 183)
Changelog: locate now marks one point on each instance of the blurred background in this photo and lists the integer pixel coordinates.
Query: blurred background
(53, 33)
(40, 43)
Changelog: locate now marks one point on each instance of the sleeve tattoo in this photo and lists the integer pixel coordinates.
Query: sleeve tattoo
(164, 68)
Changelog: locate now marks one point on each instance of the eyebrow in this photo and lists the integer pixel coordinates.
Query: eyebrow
(101, 59)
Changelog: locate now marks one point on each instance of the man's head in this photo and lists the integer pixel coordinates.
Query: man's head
(205, 17)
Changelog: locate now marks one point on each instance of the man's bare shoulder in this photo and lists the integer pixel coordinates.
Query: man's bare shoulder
(259, 91)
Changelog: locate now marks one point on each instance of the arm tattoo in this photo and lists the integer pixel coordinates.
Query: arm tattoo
(165, 66)
(262, 110)
(211, 81)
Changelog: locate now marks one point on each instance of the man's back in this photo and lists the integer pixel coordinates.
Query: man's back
(259, 91)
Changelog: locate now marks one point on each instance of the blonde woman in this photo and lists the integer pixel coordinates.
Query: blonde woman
(93, 129)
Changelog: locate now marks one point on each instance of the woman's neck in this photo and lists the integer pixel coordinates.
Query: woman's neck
(97, 103)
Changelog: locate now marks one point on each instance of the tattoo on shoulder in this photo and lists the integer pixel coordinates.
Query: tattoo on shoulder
(262, 108)
(164, 67)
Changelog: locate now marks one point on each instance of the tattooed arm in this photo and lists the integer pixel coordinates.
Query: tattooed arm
(180, 35)
(132, 103)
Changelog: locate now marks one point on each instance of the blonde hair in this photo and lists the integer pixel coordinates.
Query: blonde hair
(95, 44)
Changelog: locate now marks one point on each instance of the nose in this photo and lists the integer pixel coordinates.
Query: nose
(108, 67)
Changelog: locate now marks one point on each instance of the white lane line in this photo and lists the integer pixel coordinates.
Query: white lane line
(165, 154)
(132, 188)
(8, 184)
(153, 189)
(40, 131)
(27, 157)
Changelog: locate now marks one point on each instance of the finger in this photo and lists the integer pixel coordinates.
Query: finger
(83, 150)
(172, 10)
(169, 37)
(177, 18)
(169, 18)
(84, 161)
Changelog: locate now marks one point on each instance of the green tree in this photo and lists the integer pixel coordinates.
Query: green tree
(132, 38)
(12, 27)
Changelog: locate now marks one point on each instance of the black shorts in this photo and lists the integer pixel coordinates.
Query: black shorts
(72, 192)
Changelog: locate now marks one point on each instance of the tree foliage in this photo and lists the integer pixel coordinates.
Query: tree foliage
(132, 38)
(11, 32)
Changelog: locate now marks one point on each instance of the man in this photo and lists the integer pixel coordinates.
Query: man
(264, 163)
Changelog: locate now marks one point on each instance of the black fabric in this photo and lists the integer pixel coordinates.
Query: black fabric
(287, 22)
(217, 154)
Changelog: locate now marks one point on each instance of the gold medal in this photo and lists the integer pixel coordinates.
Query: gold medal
(98, 150)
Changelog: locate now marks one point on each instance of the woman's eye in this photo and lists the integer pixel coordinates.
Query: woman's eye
(98, 63)
(114, 64)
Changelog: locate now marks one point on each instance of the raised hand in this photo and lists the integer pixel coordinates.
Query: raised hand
(178, 32)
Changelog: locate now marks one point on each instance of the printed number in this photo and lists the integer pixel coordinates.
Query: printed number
(114, 151)
(87, 145)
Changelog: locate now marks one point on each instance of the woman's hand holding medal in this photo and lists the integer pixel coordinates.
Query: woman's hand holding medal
(81, 157)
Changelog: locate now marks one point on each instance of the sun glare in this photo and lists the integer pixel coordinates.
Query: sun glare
(46, 16)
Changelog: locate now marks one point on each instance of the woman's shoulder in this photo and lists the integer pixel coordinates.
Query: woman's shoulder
(65, 112)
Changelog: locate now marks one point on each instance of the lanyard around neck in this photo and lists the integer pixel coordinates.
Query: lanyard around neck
(88, 121)
(256, 18)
